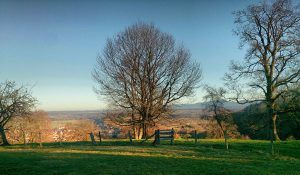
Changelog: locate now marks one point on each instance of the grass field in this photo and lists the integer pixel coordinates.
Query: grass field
(119, 157)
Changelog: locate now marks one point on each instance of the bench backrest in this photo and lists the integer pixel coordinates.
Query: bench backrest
(164, 135)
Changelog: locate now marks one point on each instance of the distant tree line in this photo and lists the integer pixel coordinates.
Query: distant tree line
(253, 120)
(39, 128)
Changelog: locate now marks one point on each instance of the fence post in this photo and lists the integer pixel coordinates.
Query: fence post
(100, 139)
(196, 136)
(172, 135)
(60, 137)
(93, 138)
(158, 137)
(24, 138)
(226, 139)
(130, 137)
(40, 137)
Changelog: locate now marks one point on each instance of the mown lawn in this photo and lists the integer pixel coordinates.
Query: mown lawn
(119, 157)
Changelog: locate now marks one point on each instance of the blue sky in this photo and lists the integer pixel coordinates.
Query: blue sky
(53, 45)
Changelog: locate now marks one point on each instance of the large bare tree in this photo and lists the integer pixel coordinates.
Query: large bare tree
(14, 102)
(142, 71)
(271, 66)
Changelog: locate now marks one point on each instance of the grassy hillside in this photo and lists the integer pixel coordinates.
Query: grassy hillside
(118, 157)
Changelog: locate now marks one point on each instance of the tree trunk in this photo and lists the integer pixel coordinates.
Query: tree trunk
(24, 137)
(3, 136)
(273, 132)
(226, 139)
(137, 132)
(272, 121)
(145, 133)
(274, 128)
(140, 133)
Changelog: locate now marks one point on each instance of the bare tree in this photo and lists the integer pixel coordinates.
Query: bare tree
(215, 98)
(14, 102)
(271, 65)
(35, 127)
(142, 71)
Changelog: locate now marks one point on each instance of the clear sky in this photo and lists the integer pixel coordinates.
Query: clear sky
(53, 45)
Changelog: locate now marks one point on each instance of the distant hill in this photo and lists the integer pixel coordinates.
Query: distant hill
(181, 110)
(66, 115)
(201, 105)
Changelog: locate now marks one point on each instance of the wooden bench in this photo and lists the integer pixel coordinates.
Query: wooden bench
(164, 135)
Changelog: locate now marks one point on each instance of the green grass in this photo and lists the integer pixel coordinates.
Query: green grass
(119, 157)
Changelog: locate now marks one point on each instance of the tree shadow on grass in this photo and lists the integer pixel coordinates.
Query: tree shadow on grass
(40, 162)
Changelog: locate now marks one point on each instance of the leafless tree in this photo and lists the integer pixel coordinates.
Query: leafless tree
(271, 65)
(35, 127)
(144, 72)
(14, 102)
(215, 98)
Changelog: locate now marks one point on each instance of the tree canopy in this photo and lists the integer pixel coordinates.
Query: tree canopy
(142, 71)
(14, 102)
